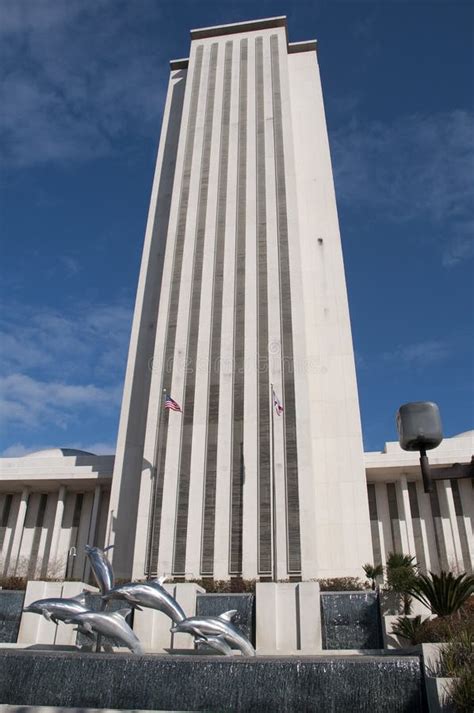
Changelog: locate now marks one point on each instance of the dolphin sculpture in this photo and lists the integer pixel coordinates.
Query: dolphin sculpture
(111, 624)
(101, 567)
(56, 609)
(149, 594)
(205, 627)
(215, 642)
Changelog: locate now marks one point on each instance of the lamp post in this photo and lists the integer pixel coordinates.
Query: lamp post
(419, 429)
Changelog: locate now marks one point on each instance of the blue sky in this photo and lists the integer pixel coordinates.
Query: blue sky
(84, 85)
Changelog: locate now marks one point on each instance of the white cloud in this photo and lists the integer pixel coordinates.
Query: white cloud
(417, 167)
(76, 77)
(70, 264)
(89, 340)
(57, 366)
(32, 403)
(19, 449)
(419, 353)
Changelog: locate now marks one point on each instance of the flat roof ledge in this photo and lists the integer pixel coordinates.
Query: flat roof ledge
(236, 27)
(179, 63)
(308, 46)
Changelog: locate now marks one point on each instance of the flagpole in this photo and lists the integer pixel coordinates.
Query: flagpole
(151, 527)
(274, 543)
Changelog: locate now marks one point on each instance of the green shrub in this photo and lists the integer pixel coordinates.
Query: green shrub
(13, 582)
(456, 655)
(457, 661)
(372, 572)
(445, 628)
(408, 628)
(462, 691)
(401, 573)
(235, 585)
(342, 584)
(443, 593)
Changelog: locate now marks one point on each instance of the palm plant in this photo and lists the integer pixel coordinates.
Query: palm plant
(372, 572)
(443, 593)
(408, 628)
(401, 573)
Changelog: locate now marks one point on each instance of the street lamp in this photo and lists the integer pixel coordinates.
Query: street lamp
(419, 429)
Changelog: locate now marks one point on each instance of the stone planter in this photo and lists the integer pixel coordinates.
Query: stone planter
(437, 694)
(437, 687)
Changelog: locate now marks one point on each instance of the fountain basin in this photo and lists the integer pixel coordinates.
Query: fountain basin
(387, 684)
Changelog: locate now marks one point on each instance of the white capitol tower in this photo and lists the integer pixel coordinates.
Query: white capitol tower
(241, 287)
(242, 321)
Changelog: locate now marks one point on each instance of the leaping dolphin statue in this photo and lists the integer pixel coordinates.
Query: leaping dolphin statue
(101, 567)
(111, 624)
(149, 594)
(56, 609)
(203, 627)
(215, 642)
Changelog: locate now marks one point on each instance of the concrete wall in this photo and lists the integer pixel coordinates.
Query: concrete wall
(50, 508)
(303, 265)
(436, 529)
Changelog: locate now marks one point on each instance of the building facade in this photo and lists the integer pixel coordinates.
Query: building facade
(241, 306)
(435, 528)
(242, 286)
(53, 503)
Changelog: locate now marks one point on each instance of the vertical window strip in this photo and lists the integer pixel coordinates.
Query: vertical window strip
(372, 501)
(208, 526)
(7, 506)
(291, 450)
(417, 531)
(264, 475)
(414, 509)
(438, 527)
(181, 527)
(168, 365)
(374, 524)
(239, 326)
(394, 518)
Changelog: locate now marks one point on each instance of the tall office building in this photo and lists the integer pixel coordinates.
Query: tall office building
(241, 287)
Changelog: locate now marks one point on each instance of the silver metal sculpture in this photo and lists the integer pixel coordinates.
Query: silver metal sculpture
(103, 572)
(214, 642)
(58, 609)
(110, 624)
(204, 627)
(218, 633)
(150, 594)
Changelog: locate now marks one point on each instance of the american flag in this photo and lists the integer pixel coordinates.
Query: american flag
(171, 404)
(277, 404)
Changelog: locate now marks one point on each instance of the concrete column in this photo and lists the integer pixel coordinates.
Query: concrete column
(310, 636)
(467, 504)
(426, 526)
(288, 617)
(224, 446)
(383, 515)
(92, 528)
(58, 518)
(402, 517)
(250, 490)
(453, 520)
(29, 529)
(18, 533)
(410, 535)
(452, 544)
